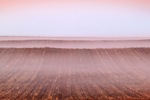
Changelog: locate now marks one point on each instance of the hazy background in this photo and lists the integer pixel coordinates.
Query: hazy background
(118, 18)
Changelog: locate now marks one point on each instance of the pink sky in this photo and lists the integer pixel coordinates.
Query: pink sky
(75, 17)
(9, 4)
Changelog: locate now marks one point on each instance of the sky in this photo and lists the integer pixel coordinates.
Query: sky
(75, 18)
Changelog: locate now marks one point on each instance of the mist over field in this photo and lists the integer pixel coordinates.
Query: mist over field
(74, 68)
(74, 49)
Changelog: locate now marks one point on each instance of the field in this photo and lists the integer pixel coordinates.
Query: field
(74, 70)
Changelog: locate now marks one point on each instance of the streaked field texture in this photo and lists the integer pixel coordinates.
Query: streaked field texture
(65, 71)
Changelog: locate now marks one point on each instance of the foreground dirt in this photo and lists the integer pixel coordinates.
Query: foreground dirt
(74, 74)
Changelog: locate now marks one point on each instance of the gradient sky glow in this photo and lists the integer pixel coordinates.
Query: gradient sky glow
(102, 18)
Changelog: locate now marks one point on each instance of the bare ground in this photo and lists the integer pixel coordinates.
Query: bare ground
(74, 74)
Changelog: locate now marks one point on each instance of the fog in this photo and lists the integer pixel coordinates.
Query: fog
(75, 20)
